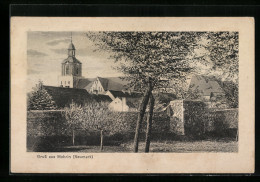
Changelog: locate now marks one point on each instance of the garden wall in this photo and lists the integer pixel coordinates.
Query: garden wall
(193, 118)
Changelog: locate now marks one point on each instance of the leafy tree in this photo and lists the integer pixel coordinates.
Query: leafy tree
(231, 93)
(39, 99)
(216, 54)
(95, 115)
(73, 115)
(148, 60)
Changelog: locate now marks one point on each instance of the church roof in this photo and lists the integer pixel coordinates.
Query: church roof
(124, 94)
(64, 96)
(109, 84)
(84, 82)
(88, 86)
(71, 46)
(71, 59)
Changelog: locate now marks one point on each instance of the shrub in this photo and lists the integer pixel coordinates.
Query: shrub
(39, 99)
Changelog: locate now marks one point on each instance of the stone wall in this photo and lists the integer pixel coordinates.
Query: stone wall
(175, 111)
(195, 118)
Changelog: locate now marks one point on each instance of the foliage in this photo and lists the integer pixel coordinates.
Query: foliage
(73, 115)
(231, 93)
(50, 123)
(39, 99)
(148, 60)
(95, 117)
(46, 123)
(157, 55)
(216, 54)
(194, 118)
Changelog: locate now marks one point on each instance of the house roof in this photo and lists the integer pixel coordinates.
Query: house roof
(71, 59)
(205, 85)
(64, 96)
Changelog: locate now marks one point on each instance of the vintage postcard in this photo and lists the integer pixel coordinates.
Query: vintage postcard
(132, 95)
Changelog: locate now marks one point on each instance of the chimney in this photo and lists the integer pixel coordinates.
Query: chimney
(124, 101)
(124, 106)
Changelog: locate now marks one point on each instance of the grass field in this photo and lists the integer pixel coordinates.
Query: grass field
(168, 146)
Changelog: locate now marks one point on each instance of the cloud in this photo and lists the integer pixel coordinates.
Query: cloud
(58, 41)
(32, 52)
(32, 71)
(60, 51)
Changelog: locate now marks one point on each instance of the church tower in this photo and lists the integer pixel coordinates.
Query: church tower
(71, 69)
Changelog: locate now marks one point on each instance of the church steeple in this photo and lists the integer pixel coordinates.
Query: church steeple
(71, 49)
(71, 68)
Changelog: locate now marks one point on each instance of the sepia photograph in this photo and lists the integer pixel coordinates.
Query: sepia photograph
(132, 95)
(132, 91)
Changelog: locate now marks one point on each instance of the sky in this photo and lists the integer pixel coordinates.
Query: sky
(46, 51)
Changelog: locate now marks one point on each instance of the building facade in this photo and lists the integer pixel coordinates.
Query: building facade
(71, 69)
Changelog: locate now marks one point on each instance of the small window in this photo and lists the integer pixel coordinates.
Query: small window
(68, 82)
(65, 82)
(61, 82)
(67, 69)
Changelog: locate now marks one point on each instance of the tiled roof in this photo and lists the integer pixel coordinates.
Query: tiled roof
(64, 96)
(71, 59)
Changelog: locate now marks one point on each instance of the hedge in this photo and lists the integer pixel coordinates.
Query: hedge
(48, 129)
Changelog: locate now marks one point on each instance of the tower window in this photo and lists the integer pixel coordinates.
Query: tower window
(65, 82)
(67, 69)
(61, 82)
(68, 82)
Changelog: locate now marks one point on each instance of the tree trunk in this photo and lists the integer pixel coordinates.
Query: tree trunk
(101, 140)
(141, 114)
(73, 137)
(149, 124)
(237, 135)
